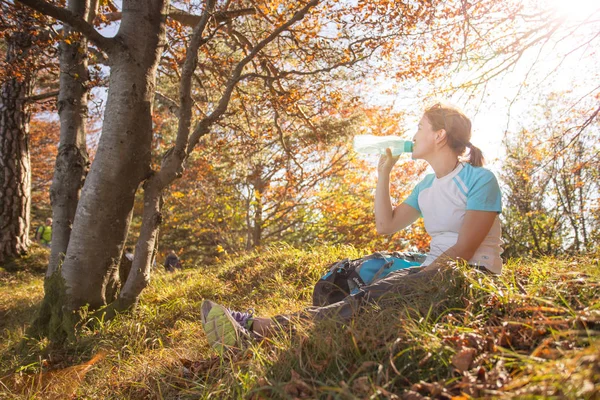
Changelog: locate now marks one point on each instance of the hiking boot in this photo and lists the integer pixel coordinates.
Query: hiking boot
(225, 329)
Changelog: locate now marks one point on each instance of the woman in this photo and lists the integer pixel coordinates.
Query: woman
(460, 204)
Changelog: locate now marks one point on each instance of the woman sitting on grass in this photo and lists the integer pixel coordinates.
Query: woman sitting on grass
(460, 204)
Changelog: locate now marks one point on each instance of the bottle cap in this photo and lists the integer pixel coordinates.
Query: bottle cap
(408, 146)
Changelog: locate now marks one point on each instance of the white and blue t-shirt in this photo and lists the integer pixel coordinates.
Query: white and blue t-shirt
(443, 203)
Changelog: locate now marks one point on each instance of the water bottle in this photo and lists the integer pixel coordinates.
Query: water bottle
(370, 144)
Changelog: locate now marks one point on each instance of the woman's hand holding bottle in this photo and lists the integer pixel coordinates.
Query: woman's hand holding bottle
(386, 163)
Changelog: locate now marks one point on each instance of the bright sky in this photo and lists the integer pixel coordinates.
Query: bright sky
(576, 10)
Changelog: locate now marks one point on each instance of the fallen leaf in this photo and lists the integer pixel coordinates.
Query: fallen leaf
(464, 358)
(296, 387)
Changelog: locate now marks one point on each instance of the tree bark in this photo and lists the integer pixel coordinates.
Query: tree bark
(122, 161)
(72, 160)
(139, 276)
(15, 166)
(70, 169)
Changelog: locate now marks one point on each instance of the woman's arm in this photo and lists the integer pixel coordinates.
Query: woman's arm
(388, 220)
(475, 227)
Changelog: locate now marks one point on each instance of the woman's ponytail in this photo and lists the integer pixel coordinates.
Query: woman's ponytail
(475, 156)
(458, 131)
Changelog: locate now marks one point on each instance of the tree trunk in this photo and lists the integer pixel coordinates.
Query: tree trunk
(171, 168)
(15, 167)
(579, 184)
(70, 168)
(122, 161)
(72, 160)
(248, 202)
(259, 189)
(139, 276)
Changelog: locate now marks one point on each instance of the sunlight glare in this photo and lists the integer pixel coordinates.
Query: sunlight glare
(575, 9)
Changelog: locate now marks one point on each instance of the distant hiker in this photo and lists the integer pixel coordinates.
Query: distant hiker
(172, 262)
(43, 234)
(460, 204)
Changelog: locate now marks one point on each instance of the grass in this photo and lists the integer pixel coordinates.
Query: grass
(21, 291)
(533, 333)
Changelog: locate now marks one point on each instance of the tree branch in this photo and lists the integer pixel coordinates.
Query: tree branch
(75, 21)
(169, 102)
(185, 88)
(187, 19)
(204, 125)
(42, 96)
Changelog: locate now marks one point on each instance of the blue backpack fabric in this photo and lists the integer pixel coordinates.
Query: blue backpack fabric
(348, 277)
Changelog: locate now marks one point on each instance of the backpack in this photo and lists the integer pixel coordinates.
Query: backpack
(41, 230)
(347, 277)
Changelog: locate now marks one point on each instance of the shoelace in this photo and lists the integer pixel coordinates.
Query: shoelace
(242, 318)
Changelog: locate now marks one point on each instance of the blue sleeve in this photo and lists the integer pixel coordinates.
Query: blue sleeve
(484, 192)
(413, 199)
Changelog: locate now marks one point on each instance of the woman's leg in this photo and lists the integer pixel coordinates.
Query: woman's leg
(402, 281)
(263, 326)
(224, 329)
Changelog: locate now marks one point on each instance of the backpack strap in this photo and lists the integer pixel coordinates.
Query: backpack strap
(333, 286)
(355, 272)
(355, 278)
(377, 254)
(339, 265)
(384, 266)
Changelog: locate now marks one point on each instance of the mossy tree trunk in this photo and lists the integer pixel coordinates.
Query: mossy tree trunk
(69, 172)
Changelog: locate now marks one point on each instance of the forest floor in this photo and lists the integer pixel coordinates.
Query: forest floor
(534, 332)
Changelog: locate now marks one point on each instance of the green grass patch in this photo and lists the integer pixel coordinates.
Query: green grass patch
(534, 332)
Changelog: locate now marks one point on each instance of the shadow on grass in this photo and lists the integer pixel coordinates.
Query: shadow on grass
(34, 262)
(18, 315)
(384, 350)
(472, 338)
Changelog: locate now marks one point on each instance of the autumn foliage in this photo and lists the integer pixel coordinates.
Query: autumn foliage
(43, 143)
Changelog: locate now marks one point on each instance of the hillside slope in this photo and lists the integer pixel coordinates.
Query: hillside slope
(534, 332)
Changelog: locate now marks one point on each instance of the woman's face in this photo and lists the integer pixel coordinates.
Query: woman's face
(424, 140)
